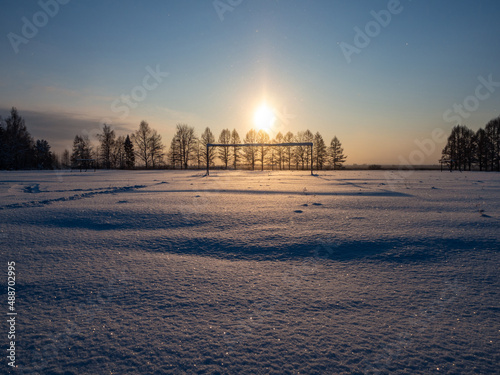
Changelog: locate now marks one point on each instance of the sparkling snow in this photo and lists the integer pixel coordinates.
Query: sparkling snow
(168, 272)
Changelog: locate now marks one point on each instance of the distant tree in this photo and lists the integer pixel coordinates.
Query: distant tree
(482, 147)
(118, 157)
(65, 159)
(337, 156)
(280, 150)
(17, 143)
(235, 139)
(186, 141)
(199, 153)
(82, 150)
(308, 137)
(2, 145)
(128, 148)
(288, 138)
(492, 130)
(141, 139)
(208, 154)
(224, 152)
(320, 153)
(174, 153)
(262, 137)
(301, 152)
(156, 149)
(107, 143)
(460, 148)
(250, 153)
(43, 155)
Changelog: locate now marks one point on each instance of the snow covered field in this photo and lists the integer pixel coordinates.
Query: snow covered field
(169, 272)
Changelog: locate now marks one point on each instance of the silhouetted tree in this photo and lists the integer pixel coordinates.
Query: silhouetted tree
(225, 139)
(17, 143)
(337, 156)
(185, 144)
(208, 155)
(118, 157)
(2, 145)
(250, 153)
(43, 155)
(483, 147)
(460, 148)
(235, 139)
(288, 138)
(174, 153)
(156, 149)
(280, 150)
(82, 151)
(65, 159)
(107, 140)
(128, 147)
(492, 130)
(262, 137)
(320, 153)
(141, 139)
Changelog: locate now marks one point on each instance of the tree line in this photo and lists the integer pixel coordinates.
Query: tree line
(18, 149)
(466, 149)
(186, 149)
(144, 148)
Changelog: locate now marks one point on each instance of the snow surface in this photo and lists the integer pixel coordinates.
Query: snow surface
(169, 272)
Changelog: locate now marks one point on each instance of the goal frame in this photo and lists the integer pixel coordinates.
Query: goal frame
(309, 144)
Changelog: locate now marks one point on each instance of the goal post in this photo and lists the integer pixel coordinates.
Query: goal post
(308, 144)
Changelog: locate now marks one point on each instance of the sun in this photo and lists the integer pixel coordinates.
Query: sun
(264, 118)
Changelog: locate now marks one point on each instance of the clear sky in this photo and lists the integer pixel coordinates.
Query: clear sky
(68, 66)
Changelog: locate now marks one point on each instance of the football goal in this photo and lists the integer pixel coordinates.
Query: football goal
(306, 144)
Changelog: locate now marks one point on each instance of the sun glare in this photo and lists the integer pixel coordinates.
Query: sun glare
(264, 118)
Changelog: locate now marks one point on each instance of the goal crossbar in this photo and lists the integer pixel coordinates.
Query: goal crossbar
(308, 144)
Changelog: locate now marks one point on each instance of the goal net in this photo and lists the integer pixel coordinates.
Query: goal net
(257, 145)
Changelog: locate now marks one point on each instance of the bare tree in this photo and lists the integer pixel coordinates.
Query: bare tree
(308, 137)
(235, 139)
(280, 151)
(301, 152)
(492, 130)
(250, 153)
(186, 141)
(174, 154)
(262, 137)
(156, 149)
(107, 139)
(483, 147)
(288, 138)
(208, 153)
(118, 156)
(225, 139)
(141, 139)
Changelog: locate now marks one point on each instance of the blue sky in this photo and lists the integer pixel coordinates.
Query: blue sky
(216, 71)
